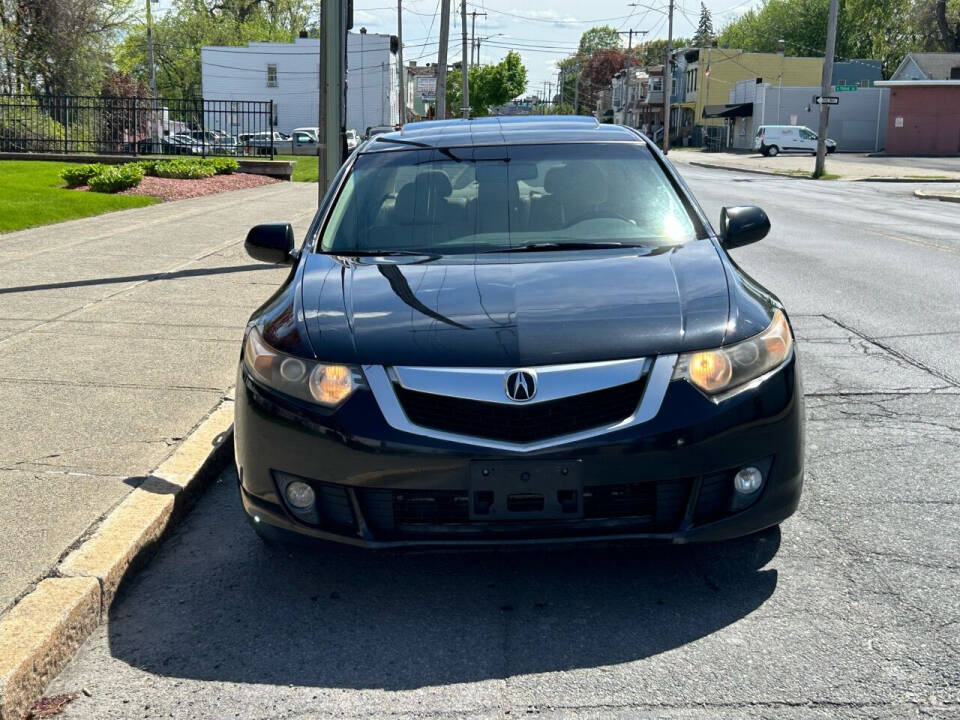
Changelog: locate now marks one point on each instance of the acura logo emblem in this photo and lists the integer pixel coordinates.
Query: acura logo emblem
(521, 385)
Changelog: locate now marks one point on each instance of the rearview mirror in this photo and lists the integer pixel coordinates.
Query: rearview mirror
(742, 225)
(270, 243)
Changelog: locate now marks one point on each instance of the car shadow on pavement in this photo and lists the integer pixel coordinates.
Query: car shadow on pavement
(216, 604)
(120, 279)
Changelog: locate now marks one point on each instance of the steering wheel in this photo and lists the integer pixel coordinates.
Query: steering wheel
(599, 214)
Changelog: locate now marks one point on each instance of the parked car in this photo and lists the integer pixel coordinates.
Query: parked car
(512, 333)
(353, 139)
(771, 140)
(375, 130)
(305, 141)
(169, 145)
(211, 142)
(259, 143)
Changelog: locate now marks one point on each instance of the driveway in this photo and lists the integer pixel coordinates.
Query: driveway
(119, 333)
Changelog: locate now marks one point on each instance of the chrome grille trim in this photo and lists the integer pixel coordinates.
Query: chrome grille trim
(658, 379)
(487, 384)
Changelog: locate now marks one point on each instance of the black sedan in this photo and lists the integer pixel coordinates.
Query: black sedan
(516, 330)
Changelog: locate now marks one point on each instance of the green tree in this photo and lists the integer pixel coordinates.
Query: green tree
(181, 34)
(490, 85)
(704, 37)
(58, 46)
(882, 29)
(602, 37)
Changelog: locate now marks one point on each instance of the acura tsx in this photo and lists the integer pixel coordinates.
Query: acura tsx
(516, 330)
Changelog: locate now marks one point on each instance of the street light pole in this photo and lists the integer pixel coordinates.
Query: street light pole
(464, 67)
(826, 82)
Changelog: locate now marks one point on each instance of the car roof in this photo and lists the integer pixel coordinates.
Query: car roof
(508, 130)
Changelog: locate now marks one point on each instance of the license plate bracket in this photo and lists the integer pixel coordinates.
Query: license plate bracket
(526, 490)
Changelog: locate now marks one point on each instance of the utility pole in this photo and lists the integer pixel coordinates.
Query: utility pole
(464, 67)
(473, 36)
(153, 69)
(154, 119)
(576, 92)
(826, 83)
(668, 80)
(629, 33)
(334, 23)
(441, 101)
(403, 85)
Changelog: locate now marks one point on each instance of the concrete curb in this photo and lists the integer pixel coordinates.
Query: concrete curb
(927, 195)
(773, 173)
(714, 166)
(40, 634)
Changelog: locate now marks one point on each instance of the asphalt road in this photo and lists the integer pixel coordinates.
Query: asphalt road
(851, 609)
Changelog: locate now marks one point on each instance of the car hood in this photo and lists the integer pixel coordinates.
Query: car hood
(508, 310)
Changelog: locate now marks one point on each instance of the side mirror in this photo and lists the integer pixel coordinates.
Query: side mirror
(742, 225)
(270, 243)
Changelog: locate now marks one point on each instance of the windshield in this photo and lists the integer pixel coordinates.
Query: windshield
(489, 199)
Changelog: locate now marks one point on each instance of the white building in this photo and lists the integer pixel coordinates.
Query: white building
(858, 123)
(289, 75)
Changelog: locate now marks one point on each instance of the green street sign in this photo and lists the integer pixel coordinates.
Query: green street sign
(845, 88)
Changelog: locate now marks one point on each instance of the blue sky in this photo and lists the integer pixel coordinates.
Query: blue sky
(542, 34)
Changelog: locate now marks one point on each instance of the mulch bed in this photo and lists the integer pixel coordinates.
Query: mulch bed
(172, 189)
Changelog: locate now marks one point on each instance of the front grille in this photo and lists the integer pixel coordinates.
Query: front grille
(662, 504)
(716, 493)
(387, 510)
(607, 509)
(521, 423)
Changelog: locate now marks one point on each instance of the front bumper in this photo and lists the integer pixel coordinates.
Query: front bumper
(669, 478)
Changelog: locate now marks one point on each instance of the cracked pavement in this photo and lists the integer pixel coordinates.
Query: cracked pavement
(851, 609)
(118, 335)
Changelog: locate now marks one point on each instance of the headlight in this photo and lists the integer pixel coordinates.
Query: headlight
(327, 385)
(720, 372)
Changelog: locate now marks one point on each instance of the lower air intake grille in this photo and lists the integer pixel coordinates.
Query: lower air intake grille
(522, 422)
(386, 510)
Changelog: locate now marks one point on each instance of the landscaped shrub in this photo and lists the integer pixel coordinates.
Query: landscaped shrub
(224, 165)
(149, 167)
(78, 175)
(184, 169)
(116, 178)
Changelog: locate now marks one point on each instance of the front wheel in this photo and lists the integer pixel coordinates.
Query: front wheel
(831, 150)
(773, 151)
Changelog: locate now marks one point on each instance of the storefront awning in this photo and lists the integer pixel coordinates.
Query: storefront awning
(728, 111)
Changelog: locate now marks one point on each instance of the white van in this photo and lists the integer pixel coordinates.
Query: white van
(771, 140)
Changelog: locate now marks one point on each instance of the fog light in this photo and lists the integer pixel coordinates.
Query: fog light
(300, 495)
(748, 480)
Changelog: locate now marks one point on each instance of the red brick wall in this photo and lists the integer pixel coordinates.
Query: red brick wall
(931, 121)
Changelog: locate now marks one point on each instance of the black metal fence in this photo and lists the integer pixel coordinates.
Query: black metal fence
(137, 126)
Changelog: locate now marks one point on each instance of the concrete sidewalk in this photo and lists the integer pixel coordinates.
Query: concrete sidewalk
(119, 334)
(848, 167)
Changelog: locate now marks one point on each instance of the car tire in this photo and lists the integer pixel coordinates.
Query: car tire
(773, 151)
(831, 150)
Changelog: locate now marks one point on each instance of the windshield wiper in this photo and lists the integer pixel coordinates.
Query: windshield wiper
(414, 143)
(546, 246)
(378, 253)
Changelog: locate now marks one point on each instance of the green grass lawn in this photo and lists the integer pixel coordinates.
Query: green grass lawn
(32, 193)
(306, 169)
